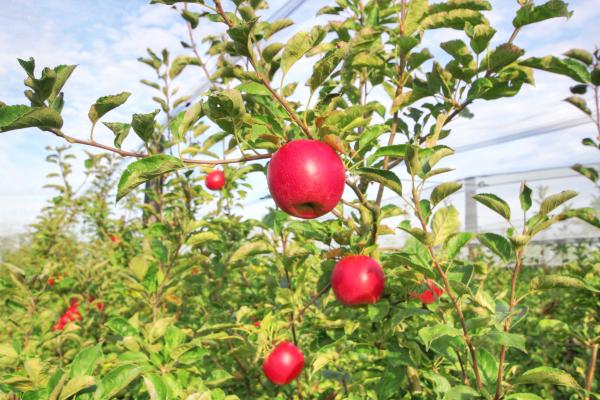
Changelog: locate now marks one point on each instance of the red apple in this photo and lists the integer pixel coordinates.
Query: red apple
(284, 364)
(215, 180)
(306, 178)
(51, 281)
(357, 280)
(100, 307)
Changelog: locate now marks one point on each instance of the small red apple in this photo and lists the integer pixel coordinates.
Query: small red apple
(115, 239)
(51, 281)
(256, 324)
(215, 180)
(284, 364)
(306, 178)
(430, 295)
(100, 307)
(357, 280)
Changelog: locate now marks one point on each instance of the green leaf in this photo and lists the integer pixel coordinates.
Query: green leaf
(27, 65)
(445, 222)
(553, 281)
(488, 366)
(85, 361)
(580, 103)
(530, 13)
(546, 375)
(250, 249)
(431, 333)
(525, 197)
(156, 387)
(501, 338)
(498, 244)
(254, 88)
(458, 50)
(443, 190)
(105, 104)
(20, 117)
(192, 17)
(395, 150)
(501, 56)
(272, 28)
(385, 177)
(461, 392)
(63, 72)
(145, 169)
(455, 242)
(523, 396)
(143, 125)
(590, 173)
(553, 201)
(225, 108)
(121, 327)
(76, 385)
(202, 237)
(573, 69)
(455, 19)
(299, 45)
(480, 36)
(494, 203)
(180, 62)
(324, 67)
(139, 266)
(241, 35)
(595, 76)
(115, 381)
(415, 11)
(121, 131)
(582, 55)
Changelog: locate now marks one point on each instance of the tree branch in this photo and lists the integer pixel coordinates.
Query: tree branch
(125, 153)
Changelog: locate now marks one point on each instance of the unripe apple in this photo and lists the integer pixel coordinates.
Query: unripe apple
(284, 364)
(306, 178)
(215, 180)
(357, 280)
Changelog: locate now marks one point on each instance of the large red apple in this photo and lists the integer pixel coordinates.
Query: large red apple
(284, 364)
(357, 280)
(306, 178)
(215, 180)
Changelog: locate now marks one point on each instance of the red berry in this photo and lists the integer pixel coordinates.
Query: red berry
(284, 364)
(51, 281)
(357, 280)
(306, 178)
(215, 180)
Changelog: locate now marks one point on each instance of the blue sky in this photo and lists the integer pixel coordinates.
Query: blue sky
(105, 38)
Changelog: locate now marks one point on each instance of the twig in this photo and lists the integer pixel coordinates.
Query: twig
(195, 50)
(591, 370)
(513, 303)
(265, 80)
(125, 153)
(438, 267)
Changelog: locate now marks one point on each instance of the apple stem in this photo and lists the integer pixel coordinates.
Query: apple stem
(511, 307)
